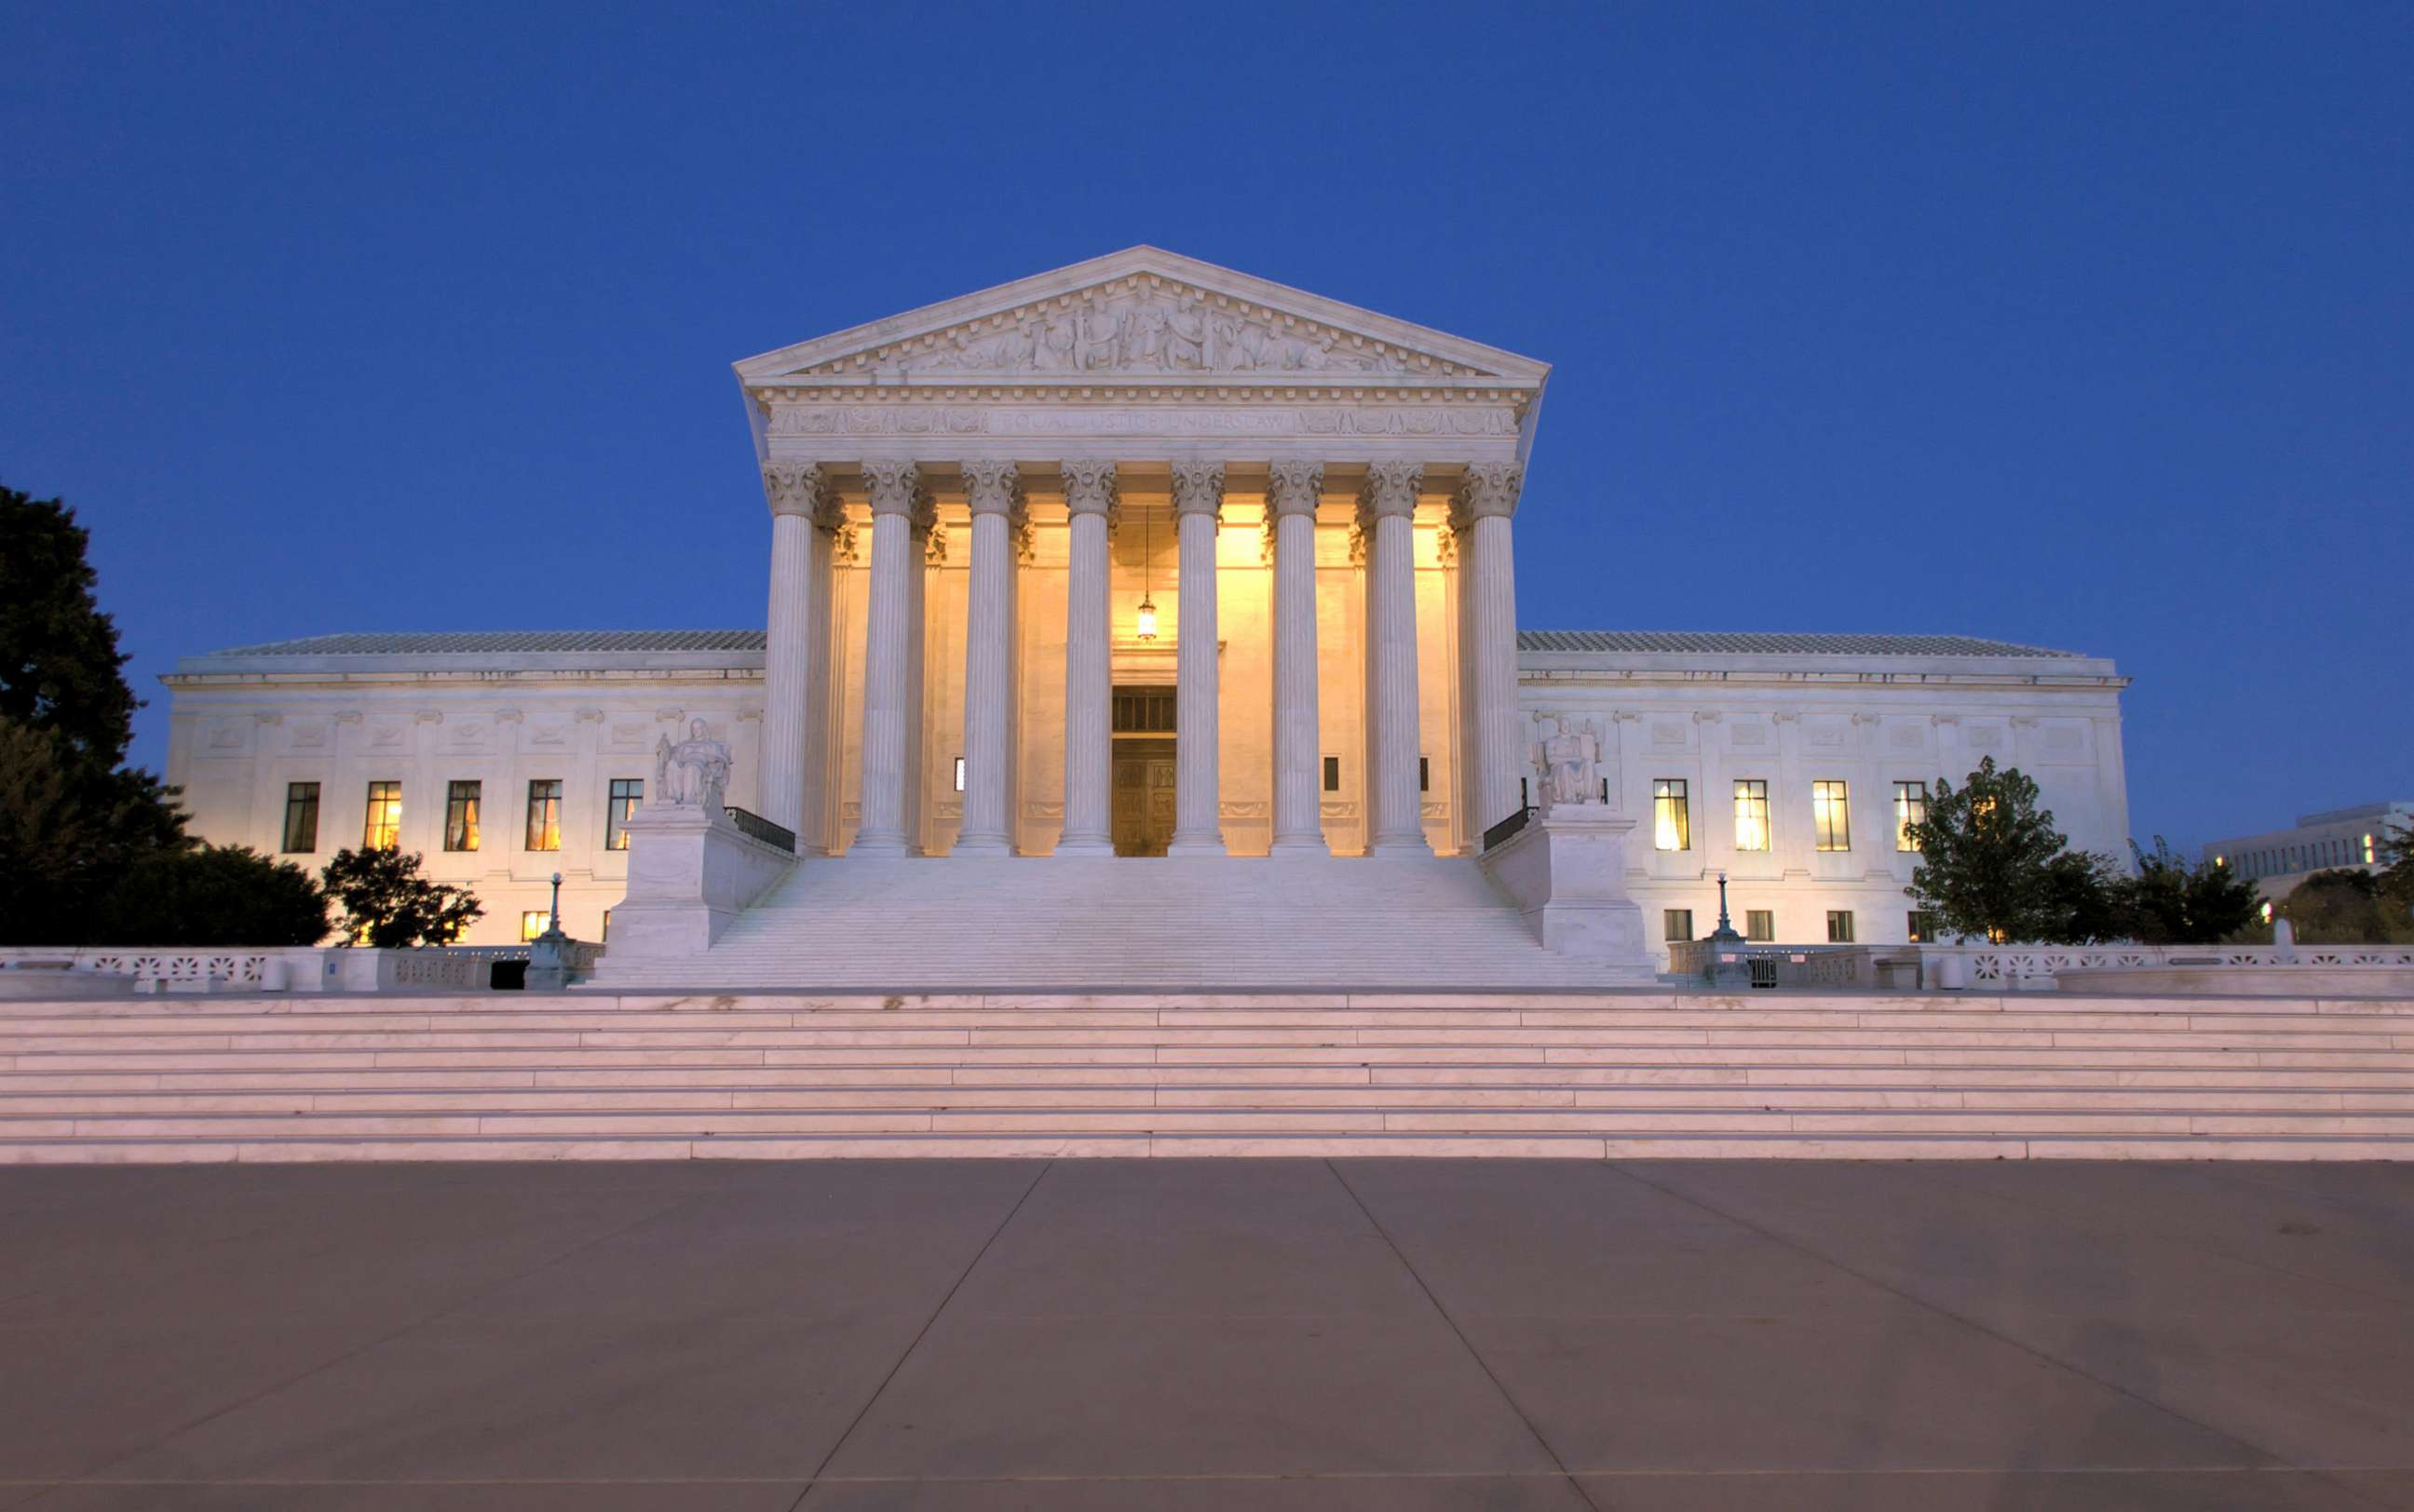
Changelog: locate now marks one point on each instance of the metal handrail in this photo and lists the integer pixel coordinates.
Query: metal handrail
(762, 829)
(1501, 833)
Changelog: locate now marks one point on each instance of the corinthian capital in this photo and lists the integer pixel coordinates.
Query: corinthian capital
(1198, 488)
(897, 488)
(1390, 489)
(793, 487)
(993, 487)
(1089, 486)
(1294, 488)
(1489, 490)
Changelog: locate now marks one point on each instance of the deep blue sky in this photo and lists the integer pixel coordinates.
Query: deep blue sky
(2090, 326)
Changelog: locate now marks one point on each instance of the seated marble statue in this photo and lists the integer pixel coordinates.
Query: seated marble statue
(1569, 757)
(693, 772)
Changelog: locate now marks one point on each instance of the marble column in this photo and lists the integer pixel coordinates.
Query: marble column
(1089, 732)
(1292, 492)
(889, 655)
(1197, 789)
(994, 491)
(790, 642)
(1386, 511)
(1479, 512)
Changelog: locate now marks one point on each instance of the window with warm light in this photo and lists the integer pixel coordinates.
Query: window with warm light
(628, 794)
(1760, 924)
(461, 815)
(1910, 808)
(544, 814)
(1831, 815)
(959, 774)
(301, 818)
(1672, 827)
(1675, 923)
(1751, 814)
(2367, 851)
(533, 923)
(1921, 926)
(383, 829)
(1839, 926)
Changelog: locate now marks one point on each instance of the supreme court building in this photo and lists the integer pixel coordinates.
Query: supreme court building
(1144, 559)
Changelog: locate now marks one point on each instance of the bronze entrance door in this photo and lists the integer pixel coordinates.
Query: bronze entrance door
(1144, 770)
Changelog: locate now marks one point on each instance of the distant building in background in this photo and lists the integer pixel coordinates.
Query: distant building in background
(2340, 840)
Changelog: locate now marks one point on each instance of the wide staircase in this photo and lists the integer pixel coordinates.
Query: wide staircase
(592, 1076)
(978, 923)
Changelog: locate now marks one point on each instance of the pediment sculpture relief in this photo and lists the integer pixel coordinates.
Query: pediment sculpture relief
(1139, 331)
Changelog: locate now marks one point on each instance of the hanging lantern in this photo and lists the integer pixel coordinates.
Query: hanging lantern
(1144, 619)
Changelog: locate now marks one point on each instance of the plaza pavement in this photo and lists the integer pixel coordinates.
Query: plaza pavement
(962, 1336)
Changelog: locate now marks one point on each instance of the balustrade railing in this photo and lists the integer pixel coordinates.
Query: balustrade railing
(1504, 832)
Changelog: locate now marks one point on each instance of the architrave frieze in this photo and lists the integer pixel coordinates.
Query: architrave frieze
(1028, 433)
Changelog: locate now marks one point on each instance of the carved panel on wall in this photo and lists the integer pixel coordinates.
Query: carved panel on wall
(1244, 809)
(310, 734)
(2063, 740)
(1750, 734)
(628, 735)
(1823, 735)
(1667, 734)
(386, 735)
(1984, 739)
(1337, 809)
(1905, 737)
(549, 733)
(1043, 810)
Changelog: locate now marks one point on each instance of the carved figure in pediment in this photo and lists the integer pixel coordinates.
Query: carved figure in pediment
(1055, 350)
(695, 772)
(1185, 339)
(1143, 336)
(1099, 333)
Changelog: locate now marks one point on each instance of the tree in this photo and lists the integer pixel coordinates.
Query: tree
(2089, 898)
(2342, 908)
(60, 668)
(2397, 881)
(1986, 858)
(212, 895)
(2173, 901)
(388, 904)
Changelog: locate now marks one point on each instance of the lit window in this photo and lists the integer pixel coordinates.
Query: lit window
(461, 816)
(301, 817)
(1910, 808)
(959, 774)
(628, 795)
(383, 830)
(1760, 924)
(1922, 926)
(1751, 814)
(544, 814)
(534, 923)
(2267, 913)
(2367, 851)
(1676, 923)
(1839, 926)
(606, 937)
(1831, 816)
(1672, 827)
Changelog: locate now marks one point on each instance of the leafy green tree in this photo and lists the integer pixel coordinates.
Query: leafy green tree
(1987, 853)
(72, 819)
(2396, 847)
(2174, 902)
(388, 904)
(2344, 907)
(2090, 896)
(212, 895)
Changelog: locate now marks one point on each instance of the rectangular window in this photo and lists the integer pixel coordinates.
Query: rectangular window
(606, 937)
(2367, 840)
(1831, 816)
(1425, 775)
(532, 924)
(1839, 926)
(1676, 923)
(628, 794)
(1672, 826)
(1923, 926)
(959, 774)
(301, 818)
(1910, 808)
(461, 815)
(1332, 773)
(1751, 814)
(383, 829)
(1760, 924)
(544, 814)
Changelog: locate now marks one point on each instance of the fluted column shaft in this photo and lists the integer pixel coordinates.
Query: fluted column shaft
(991, 489)
(1480, 516)
(1386, 511)
(1089, 735)
(889, 658)
(789, 643)
(1291, 496)
(1197, 787)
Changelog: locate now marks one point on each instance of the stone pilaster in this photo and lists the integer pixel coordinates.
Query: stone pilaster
(1479, 512)
(892, 626)
(1293, 494)
(1089, 733)
(1197, 790)
(994, 491)
(1386, 511)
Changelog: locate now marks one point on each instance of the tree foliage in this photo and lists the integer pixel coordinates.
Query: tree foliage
(2174, 902)
(212, 895)
(2087, 899)
(2345, 907)
(1986, 855)
(2396, 883)
(388, 904)
(60, 668)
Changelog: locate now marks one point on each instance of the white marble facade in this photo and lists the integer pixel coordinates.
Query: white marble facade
(969, 505)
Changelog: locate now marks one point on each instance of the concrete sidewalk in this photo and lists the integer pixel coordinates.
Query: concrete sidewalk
(963, 1336)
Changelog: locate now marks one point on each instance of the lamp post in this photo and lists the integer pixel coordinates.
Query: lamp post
(1728, 968)
(548, 967)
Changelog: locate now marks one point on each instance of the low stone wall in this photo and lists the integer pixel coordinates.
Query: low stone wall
(89, 972)
(2297, 981)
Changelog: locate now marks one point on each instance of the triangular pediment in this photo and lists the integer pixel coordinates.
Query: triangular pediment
(1144, 314)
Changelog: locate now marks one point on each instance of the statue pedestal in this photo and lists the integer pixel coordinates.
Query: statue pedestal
(1566, 871)
(691, 873)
